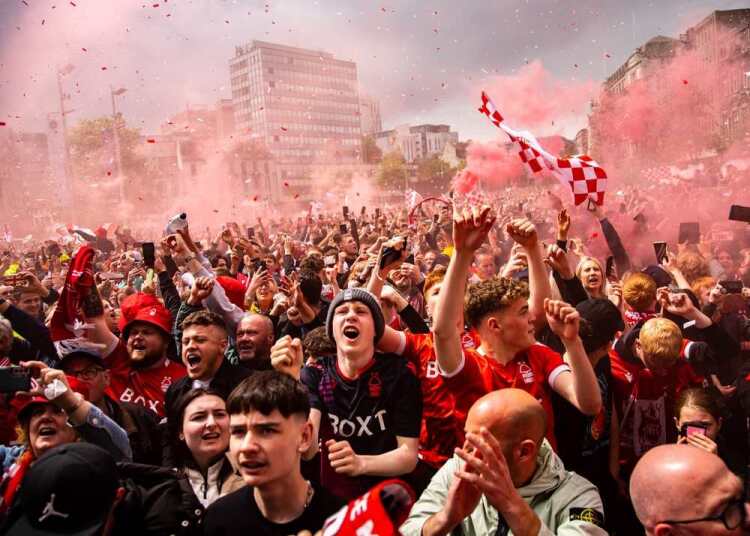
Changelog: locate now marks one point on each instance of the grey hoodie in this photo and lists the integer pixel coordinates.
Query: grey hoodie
(566, 503)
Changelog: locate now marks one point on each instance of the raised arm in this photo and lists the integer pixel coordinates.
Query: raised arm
(469, 232)
(524, 233)
(579, 386)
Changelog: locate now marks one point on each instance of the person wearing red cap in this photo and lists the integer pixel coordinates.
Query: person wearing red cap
(54, 414)
(139, 367)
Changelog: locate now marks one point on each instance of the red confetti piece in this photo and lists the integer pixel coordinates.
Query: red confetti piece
(595, 235)
(286, 184)
(284, 129)
(607, 55)
(104, 68)
(42, 22)
(154, 5)
(82, 48)
(684, 82)
(255, 198)
(151, 140)
(25, 2)
(296, 196)
(2, 123)
(109, 173)
(226, 21)
(73, 4)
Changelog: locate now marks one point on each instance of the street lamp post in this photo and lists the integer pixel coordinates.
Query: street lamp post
(116, 139)
(63, 71)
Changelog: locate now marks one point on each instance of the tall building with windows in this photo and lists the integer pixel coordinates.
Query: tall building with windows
(416, 142)
(369, 110)
(303, 105)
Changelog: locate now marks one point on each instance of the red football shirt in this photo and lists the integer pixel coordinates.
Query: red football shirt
(645, 403)
(442, 424)
(141, 386)
(533, 370)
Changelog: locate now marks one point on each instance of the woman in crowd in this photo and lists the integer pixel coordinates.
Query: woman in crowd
(591, 274)
(175, 498)
(44, 424)
(698, 417)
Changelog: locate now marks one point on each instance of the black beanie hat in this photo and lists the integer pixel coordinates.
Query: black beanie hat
(363, 296)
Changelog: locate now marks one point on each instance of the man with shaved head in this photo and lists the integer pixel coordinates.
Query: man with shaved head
(253, 341)
(679, 489)
(506, 479)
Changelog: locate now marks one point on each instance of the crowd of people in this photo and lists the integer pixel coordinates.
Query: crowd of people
(475, 365)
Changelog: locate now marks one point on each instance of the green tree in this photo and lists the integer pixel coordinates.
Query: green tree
(433, 168)
(371, 153)
(393, 170)
(93, 150)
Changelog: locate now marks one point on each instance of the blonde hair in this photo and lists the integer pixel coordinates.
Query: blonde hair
(701, 284)
(692, 265)
(661, 341)
(579, 269)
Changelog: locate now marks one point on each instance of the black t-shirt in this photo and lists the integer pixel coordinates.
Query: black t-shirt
(582, 440)
(369, 412)
(238, 514)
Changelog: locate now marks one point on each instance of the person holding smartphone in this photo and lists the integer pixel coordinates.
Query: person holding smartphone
(698, 418)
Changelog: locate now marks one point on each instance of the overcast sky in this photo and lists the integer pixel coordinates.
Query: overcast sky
(425, 61)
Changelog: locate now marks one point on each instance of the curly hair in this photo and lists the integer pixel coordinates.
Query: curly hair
(692, 265)
(490, 296)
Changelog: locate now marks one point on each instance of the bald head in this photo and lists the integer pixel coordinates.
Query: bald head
(679, 482)
(509, 414)
(254, 339)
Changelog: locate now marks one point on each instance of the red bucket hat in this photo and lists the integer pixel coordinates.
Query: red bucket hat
(142, 307)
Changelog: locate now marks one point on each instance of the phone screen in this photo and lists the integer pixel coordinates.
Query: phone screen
(610, 266)
(739, 213)
(660, 250)
(149, 253)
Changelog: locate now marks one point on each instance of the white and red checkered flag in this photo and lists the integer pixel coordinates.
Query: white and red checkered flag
(586, 179)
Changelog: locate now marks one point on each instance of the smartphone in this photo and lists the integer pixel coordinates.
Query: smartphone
(260, 265)
(732, 286)
(409, 259)
(690, 233)
(13, 379)
(610, 269)
(692, 428)
(660, 249)
(739, 213)
(149, 254)
(342, 228)
(250, 233)
(345, 210)
(590, 205)
(391, 254)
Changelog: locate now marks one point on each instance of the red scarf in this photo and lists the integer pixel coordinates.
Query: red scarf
(78, 283)
(13, 478)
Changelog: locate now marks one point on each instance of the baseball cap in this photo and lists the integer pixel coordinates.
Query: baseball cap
(601, 320)
(69, 490)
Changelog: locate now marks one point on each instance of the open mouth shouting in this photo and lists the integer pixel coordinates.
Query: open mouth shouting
(351, 333)
(139, 351)
(47, 430)
(211, 436)
(193, 361)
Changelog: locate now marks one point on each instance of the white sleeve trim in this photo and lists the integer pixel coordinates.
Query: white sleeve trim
(111, 346)
(556, 373)
(401, 343)
(458, 370)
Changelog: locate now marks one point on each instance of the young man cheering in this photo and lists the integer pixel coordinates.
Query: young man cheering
(505, 313)
(367, 406)
(269, 432)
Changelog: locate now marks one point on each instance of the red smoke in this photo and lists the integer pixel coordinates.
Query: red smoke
(534, 97)
(671, 114)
